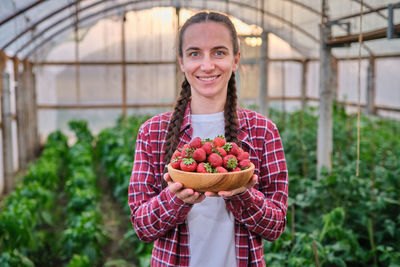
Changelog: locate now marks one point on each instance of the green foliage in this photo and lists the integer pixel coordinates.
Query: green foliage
(27, 213)
(84, 234)
(343, 219)
(115, 148)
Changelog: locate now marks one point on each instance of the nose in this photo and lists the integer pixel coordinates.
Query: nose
(207, 64)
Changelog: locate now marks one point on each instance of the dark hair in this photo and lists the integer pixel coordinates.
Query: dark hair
(182, 101)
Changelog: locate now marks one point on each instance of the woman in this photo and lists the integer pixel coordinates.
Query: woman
(211, 229)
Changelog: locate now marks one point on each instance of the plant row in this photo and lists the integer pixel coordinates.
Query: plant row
(26, 218)
(84, 234)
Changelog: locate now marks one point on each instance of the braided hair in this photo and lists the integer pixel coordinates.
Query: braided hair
(230, 115)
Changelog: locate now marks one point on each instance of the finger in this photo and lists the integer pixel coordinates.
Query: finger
(185, 193)
(167, 177)
(252, 181)
(175, 187)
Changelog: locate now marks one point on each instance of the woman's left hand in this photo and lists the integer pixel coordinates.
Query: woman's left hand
(239, 190)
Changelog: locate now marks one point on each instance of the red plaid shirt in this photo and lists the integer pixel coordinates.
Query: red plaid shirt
(260, 212)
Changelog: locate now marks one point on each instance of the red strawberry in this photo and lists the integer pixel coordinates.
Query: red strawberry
(237, 169)
(240, 150)
(196, 142)
(230, 162)
(220, 170)
(242, 156)
(188, 165)
(204, 168)
(187, 151)
(244, 164)
(176, 154)
(176, 162)
(215, 160)
(231, 148)
(208, 147)
(220, 151)
(219, 141)
(199, 155)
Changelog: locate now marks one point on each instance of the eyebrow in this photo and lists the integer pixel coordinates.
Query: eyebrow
(214, 48)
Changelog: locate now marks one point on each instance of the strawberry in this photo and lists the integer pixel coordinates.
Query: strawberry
(230, 162)
(196, 142)
(199, 155)
(220, 169)
(208, 147)
(204, 168)
(176, 154)
(176, 162)
(220, 151)
(219, 141)
(231, 148)
(215, 160)
(237, 169)
(244, 164)
(187, 151)
(188, 165)
(242, 156)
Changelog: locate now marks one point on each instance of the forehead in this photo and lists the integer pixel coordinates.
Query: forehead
(207, 35)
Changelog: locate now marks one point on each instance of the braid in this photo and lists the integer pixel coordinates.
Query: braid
(231, 122)
(172, 139)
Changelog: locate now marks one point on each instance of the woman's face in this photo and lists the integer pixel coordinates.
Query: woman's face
(208, 60)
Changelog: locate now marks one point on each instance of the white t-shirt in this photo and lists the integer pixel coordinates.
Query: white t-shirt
(211, 225)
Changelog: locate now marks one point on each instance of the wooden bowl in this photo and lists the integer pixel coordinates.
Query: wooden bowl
(212, 182)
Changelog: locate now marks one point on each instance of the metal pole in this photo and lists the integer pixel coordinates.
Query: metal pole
(326, 92)
(263, 102)
(371, 87)
(304, 85)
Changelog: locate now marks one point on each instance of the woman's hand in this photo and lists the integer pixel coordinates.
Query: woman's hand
(237, 191)
(187, 195)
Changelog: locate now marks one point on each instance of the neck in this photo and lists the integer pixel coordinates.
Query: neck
(206, 106)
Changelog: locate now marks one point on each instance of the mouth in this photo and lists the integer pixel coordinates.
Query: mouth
(208, 78)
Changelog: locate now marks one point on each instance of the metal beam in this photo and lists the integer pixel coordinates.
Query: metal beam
(352, 38)
(21, 11)
(238, 3)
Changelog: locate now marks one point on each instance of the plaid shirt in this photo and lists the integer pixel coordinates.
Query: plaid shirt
(260, 212)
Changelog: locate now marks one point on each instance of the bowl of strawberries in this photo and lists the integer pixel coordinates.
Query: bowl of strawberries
(211, 165)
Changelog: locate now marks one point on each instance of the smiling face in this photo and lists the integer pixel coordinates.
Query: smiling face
(208, 59)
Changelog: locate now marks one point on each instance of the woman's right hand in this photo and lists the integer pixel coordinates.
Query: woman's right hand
(187, 195)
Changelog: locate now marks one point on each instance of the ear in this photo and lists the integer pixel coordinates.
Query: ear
(236, 60)
(180, 60)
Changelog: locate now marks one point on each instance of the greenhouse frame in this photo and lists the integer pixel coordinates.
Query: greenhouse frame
(98, 60)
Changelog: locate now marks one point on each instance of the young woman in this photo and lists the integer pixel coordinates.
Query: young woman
(208, 229)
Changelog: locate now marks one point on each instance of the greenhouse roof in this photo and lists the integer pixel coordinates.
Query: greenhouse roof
(27, 26)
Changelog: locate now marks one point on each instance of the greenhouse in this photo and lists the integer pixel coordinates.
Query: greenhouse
(80, 77)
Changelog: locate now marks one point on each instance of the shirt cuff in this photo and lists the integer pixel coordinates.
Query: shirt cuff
(178, 205)
(244, 199)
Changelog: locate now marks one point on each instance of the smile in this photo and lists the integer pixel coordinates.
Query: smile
(208, 79)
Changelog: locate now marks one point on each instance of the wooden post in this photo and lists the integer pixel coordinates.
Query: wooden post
(304, 85)
(25, 87)
(263, 102)
(178, 73)
(371, 87)
(34, 110)
(6, 119)
(20, 96)
(326, 94)
(123, 61)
